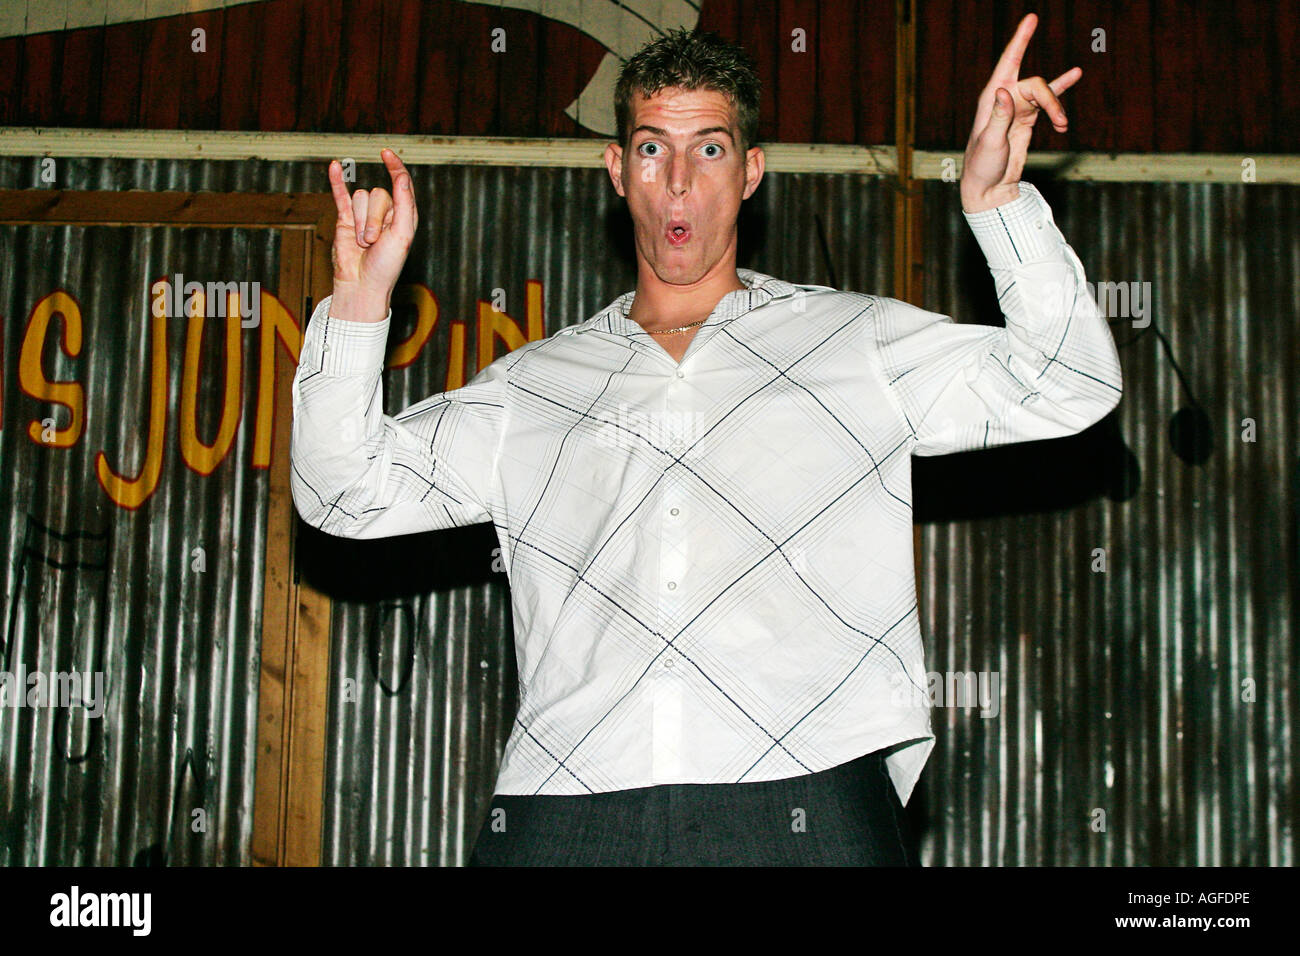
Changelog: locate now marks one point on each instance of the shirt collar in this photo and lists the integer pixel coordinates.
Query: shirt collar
(759, 290)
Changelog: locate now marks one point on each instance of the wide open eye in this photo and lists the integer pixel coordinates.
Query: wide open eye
(713, 146)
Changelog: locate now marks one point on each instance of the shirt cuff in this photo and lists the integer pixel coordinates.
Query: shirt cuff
(1018, 231)
(339, 347)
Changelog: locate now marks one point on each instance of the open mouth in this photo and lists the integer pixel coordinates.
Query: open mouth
(678, 233)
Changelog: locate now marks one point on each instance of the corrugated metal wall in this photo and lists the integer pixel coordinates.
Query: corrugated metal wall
(164, 601)
(1160, 691)
(1121, 690)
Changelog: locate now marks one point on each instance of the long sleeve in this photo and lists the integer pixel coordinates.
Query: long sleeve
(358, 473)
(1053, 371)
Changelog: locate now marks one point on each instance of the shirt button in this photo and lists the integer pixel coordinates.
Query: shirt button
(672, 511)
(672, 585)
(681, 374)
(668, 662)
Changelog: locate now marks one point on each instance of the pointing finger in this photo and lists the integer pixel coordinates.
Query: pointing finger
(1009, 63)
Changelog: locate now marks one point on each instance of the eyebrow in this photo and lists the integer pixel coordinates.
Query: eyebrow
(698, 133)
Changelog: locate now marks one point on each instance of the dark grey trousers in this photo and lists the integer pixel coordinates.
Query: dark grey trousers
(849, 815)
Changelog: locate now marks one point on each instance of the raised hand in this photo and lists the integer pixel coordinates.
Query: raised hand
(372, 237)
(1004, 122)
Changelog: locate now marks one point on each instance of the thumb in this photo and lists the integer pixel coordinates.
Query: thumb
(1000, 120)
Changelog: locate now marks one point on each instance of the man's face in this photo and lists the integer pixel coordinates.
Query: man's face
(684, 177)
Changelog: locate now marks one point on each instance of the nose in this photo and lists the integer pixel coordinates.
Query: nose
(679, 175)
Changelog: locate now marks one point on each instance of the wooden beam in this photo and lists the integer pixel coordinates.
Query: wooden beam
(879, 160)
(1134, 167)
(416, 150)
(175, 209)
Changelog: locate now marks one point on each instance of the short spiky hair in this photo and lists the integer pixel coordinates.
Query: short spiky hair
(691, 60)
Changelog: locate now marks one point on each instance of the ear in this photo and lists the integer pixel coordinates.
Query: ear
(614, 163)
(755, 162)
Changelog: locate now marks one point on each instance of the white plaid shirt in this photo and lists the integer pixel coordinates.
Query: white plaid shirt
(711, 563)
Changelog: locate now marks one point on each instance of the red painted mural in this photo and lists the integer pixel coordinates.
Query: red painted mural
(1159, 75)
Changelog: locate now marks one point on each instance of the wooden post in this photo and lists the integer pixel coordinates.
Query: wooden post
(909, 267)
(293, 704)
(909, 273)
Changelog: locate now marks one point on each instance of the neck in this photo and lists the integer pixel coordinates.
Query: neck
(664, 305)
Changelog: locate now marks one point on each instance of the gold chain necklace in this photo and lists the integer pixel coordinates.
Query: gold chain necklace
(680, 328)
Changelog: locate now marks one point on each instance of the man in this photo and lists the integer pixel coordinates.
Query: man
(702, 493)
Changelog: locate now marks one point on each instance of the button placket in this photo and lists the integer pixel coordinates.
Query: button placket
(674, 548)
(666, 686)
(673, 561)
